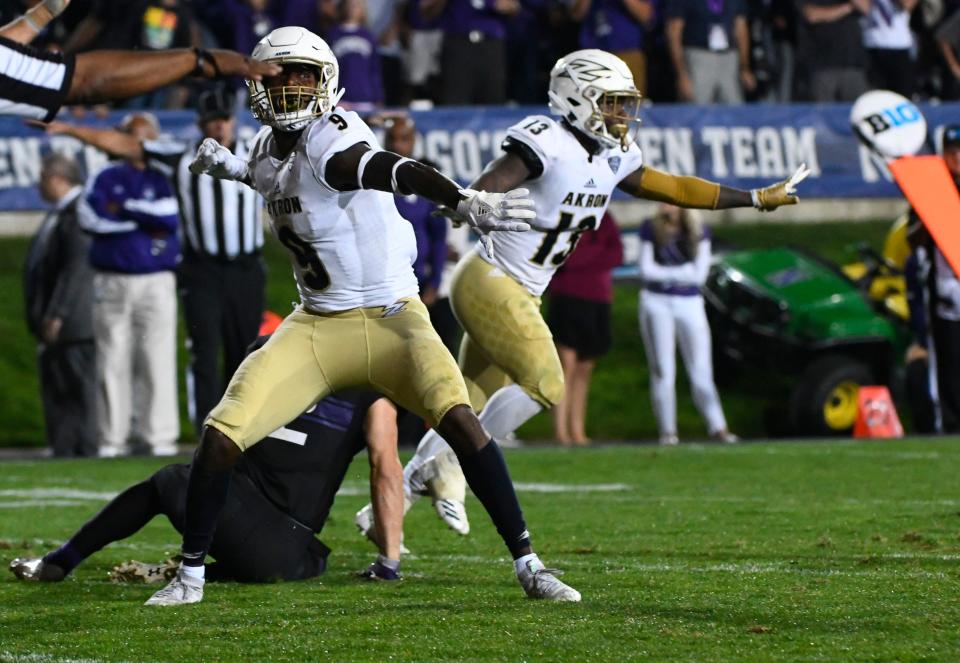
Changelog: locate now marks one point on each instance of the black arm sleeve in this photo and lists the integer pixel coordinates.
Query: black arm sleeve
(526, 154)
(411, 176)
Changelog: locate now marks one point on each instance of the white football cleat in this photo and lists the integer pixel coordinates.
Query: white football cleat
(669, 440)
(35, 570)
(542, 583)
(448, 488)
(182, 590)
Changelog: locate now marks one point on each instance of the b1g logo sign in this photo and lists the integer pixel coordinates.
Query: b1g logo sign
(888, 124)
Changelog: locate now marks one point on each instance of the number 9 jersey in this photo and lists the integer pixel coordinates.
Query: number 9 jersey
(571, 190)
(349, 249)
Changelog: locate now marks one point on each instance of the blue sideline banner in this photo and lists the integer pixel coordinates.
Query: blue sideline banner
(744, 146)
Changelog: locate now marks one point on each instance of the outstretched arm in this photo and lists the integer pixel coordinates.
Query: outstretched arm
(386, 476)
(359, 167)
(106, 75)
(111, 141)
(694, 192)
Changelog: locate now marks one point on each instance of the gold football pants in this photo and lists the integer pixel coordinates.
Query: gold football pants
(506, 337)
(392, 350)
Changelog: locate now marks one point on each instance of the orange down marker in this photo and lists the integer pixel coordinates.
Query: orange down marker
(929, 187)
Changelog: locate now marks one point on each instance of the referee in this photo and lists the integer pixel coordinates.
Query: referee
(221, 278)
(35, 84)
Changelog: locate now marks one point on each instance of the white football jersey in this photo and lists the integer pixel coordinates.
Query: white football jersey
(349, 249)
(571, 196)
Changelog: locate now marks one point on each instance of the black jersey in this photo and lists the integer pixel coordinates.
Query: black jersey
(300, 467)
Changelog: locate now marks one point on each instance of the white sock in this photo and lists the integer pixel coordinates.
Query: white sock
(507, 409)
(527, 563)
(195, 572)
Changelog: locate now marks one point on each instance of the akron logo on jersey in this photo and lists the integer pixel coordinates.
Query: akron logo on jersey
(284, 206)
(589, 71)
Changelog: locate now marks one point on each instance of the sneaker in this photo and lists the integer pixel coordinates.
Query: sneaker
(365, 523)
(542, 583)
(380, 573)
(36, 570)
(181, 590)
(669, 440)
(448, 488)
(143, 573)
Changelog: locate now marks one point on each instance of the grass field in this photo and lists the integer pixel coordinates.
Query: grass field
(787, 551)
(619, 399)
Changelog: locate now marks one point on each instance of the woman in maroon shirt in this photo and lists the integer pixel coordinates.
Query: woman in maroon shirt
(579, 317)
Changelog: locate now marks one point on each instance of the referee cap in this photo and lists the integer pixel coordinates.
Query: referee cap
(215, 104)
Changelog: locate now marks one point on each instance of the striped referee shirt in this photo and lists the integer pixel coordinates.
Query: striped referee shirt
(220, 218)
(33, 84)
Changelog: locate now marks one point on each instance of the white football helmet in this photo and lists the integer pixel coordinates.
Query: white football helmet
(594, 91)
(291, 108)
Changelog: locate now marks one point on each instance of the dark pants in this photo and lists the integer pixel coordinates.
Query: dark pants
(254, 541)
(946, 341)
(68, 381)
(445, 322)
(473, 73)
(892, 69)
(222, 305)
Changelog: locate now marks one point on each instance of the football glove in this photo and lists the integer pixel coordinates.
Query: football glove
(216, 160)
(771, 197)
(489, 212)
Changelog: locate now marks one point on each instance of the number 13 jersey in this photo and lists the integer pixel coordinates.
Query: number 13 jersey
(571, 195)
(349, 249)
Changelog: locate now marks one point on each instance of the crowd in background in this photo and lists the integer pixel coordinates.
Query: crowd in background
(462, 52)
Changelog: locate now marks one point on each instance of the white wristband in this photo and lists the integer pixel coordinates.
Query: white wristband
(754, 198)
(393, 173)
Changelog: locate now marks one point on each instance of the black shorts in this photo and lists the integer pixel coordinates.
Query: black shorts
(254, 540)
(581, 324)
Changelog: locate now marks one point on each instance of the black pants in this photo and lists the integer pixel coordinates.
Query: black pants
(892, 69)
(446, 325)
(254, 540)
(68, 387)
(946, 340)
(222, 305)
(473, 72)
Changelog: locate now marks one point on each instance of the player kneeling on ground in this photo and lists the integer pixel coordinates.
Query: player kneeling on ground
(279, 498)
(571, 165)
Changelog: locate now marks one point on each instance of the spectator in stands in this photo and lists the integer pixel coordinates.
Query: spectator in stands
(890, 45)
(934, 297)
(832, 45)
(131, 212)
(473, 59)
(249, 22)
(948, 43)
(579, 298)
(619, 27)
(674, 261)
(146, 25)
(58, 291)
(710, 48)
(424, 39)
(356, 51)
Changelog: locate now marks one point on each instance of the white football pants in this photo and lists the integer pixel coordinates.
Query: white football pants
(664, 321)
(135, 330)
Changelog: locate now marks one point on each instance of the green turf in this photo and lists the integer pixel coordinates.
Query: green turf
(619, 400)
(789, 551)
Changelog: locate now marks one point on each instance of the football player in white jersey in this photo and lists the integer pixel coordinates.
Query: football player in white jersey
(329, 190)
(571, 165)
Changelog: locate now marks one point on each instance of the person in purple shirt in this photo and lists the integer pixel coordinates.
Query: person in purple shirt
(131, 211)
(356, 51)
(619, 27)
(473, 59)
(674, 261)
